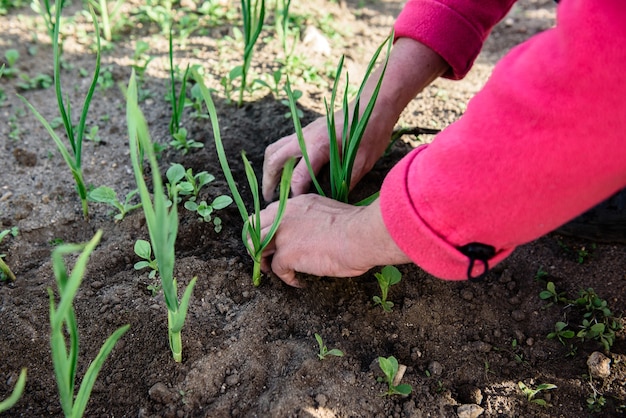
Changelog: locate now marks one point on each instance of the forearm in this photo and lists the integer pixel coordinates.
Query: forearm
(540, 144)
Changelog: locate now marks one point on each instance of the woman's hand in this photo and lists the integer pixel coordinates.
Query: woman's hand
(323, 237)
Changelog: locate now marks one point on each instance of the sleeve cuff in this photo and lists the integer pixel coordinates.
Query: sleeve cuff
(427, 248)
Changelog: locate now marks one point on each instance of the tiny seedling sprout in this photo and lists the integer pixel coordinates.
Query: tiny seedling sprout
(324, 351)
(251, 231)
(531, 393)
(388, 276)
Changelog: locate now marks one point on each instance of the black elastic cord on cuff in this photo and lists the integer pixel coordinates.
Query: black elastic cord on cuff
(476, 251)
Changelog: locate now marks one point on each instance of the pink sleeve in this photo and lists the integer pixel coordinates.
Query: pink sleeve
(543, 141)
(455, 29)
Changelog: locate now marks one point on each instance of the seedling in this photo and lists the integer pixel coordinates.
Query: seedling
(104, 194)
(205, 210)
(11, 56)
(193, 182)
(140, 58)
(5, 271)
(63, 320)
(344, 145)
(388, 276)
(390, 367)
(561, 332)
(144, 250)
(324, 351)
(161, 219)
(75, 135)
(531, 393)
(16, 394)
(251, 231)
(598, 322)
(92, 135)
(182, 143)
(598, 331)
(551, 294)
(40, 81)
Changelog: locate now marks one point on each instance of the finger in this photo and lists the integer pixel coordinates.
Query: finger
(276, 155)
(285, 273)
(301, 178)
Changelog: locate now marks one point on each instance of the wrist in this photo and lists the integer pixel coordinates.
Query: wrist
(372, 244)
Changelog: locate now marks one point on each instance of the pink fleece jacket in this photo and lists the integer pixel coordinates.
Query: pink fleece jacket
(542, 142)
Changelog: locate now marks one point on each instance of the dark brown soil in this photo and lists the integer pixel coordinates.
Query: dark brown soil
(251, 351)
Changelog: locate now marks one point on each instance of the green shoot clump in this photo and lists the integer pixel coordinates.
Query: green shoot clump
(63, 320)
(343, 149)
(390, 368)
(161, 219)
(251, 231)
(388, 276)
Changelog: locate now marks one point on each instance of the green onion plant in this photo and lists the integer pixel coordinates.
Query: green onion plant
(253, 16)
(343, 150)
(161, 218)
(75, 135)
(63, 320)
(176, 100)
(251, 231)
(110, 18)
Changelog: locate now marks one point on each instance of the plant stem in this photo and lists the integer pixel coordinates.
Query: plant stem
(256, 273)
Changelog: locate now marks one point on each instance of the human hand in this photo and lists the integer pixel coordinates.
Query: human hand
(323, 237)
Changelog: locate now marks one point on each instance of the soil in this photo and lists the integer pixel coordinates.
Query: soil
(251, 352)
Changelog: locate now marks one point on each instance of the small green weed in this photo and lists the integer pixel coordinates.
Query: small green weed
(598, 322)
(531, 393)
(11, 56)
(324, 351)
(182, 143)
(105, 194)
(144, 250)
(390, 368)
(388, 276)
(191, 184)
(205, 210)
(40, 81)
